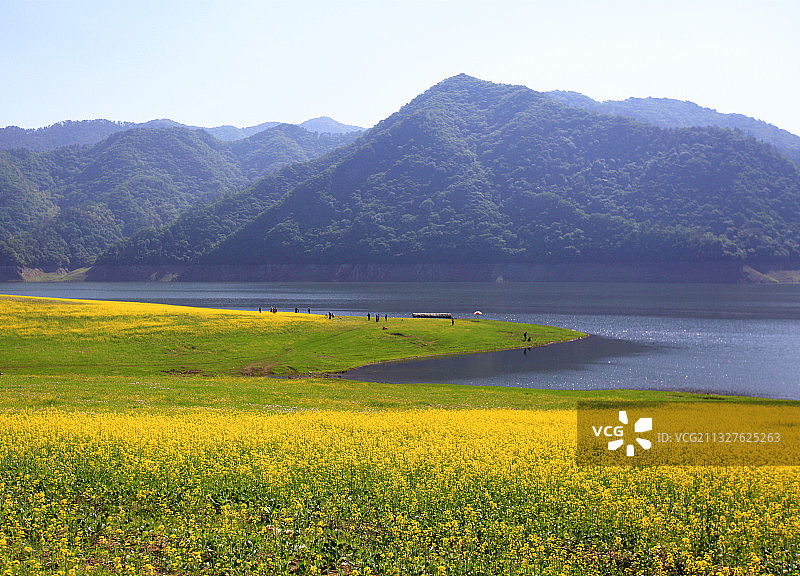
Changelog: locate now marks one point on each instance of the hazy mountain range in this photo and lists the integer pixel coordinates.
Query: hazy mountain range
(69, 133)
(468, 172)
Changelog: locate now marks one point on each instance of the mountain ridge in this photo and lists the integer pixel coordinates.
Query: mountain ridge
(88, 132)
(670, 113)
(471, 171)
(63, 208)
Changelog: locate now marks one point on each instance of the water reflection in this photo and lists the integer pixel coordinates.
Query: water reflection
(509, 365)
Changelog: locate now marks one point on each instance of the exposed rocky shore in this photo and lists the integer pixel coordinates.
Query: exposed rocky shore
(724, 272)
(693, 272)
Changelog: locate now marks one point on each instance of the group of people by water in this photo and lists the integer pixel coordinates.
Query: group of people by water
(370, 316)
(274, 310)
(331, 315)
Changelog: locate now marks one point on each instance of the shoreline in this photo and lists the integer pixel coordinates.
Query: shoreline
(445, 355)
(648, 272)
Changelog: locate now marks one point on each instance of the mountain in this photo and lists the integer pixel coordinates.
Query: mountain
(87, 132)
(326, 125)
(229, 133)
(474, 172)
(321, 125)
(67, 133)
(64, 207)
(669, 113)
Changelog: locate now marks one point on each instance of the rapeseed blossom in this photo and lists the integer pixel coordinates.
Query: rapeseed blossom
(408, 492)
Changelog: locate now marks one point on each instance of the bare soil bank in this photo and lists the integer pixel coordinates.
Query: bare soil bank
(691, 272)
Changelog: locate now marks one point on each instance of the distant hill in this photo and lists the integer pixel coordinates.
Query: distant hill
(321, 125)
(83, 132)
(63, 208)
(669, 113)
(326, 125)
(67, 133)
(475, 172)
(230, 133)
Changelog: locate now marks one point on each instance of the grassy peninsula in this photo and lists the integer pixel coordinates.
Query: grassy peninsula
(76, 354)
(52, 336)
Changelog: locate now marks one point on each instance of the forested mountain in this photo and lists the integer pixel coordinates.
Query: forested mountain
(67, 133)
(65, 207)
(669, 113)
(472, 171)
(83, 132)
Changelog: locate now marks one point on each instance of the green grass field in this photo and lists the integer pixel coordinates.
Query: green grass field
(47, 336)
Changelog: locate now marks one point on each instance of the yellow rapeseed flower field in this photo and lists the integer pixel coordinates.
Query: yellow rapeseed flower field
(406, 492)
(144, 481)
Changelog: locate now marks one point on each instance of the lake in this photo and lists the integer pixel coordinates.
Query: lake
(725, 339)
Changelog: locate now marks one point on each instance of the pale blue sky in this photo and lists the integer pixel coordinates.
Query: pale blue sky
(245, 62)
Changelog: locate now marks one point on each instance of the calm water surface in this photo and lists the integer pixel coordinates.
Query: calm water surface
(726, 339)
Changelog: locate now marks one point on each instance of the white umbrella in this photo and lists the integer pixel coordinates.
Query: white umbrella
(477, 313)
